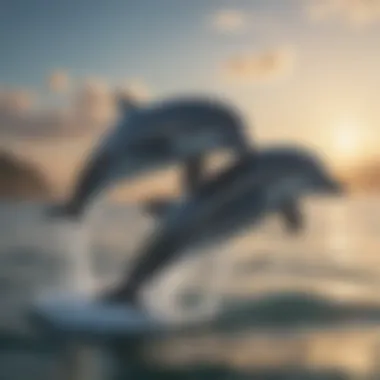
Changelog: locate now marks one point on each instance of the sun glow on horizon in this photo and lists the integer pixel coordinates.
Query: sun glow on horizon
(346, 140)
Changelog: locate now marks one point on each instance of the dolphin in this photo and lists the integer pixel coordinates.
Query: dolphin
(158, 208)
(237, 198)
(152, 137)
(289, 212)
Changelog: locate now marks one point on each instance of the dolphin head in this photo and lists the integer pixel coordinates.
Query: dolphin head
(325, 184)
(322, 182)
(313, 173)
(293, 173)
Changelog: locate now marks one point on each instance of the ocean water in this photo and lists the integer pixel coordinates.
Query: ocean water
(337, 255)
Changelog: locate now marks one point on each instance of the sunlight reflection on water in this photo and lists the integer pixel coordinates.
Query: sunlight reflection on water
(337, 255)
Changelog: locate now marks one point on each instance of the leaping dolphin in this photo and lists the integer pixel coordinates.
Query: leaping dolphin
(289, 212)
(155, 136)
(224, 205)
(151, 137)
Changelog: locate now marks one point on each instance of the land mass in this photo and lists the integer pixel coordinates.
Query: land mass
(363, 178)
(21, 180)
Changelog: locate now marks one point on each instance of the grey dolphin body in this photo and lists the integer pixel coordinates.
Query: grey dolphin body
(289, 211)
(224, 205)
(153, 137)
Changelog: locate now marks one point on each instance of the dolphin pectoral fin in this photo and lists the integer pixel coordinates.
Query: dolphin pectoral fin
(92, 180)
(158, 208)
(292, 216)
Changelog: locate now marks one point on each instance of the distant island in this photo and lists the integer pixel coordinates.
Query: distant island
(363, 178)
(21, 180)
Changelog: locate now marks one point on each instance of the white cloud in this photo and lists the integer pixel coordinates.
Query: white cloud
(92, 107)
(255, 67)
(137, 89)
(354, 12)
(94, 102)
(35, 123)
(59, 81)
(229, 21)
(15, 100)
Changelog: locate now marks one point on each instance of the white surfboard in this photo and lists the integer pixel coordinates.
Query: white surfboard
(83, 316)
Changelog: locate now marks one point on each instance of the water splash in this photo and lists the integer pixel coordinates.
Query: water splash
(190, 290)
(74, 242)
(73, 245)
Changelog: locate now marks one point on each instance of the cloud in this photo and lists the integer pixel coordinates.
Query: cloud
(94, 103)
(19, 118)
(91, 108)
(138, 89)
(134, 91)
(59, 81)
(229, 21)
(257, 67)
(15, 100)
(353, 12)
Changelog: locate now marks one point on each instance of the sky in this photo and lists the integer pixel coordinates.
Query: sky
(301, 71)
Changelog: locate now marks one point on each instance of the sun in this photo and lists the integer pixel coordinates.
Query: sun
(346, 140)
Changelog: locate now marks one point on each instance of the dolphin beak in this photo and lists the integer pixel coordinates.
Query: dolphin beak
(334, 187)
